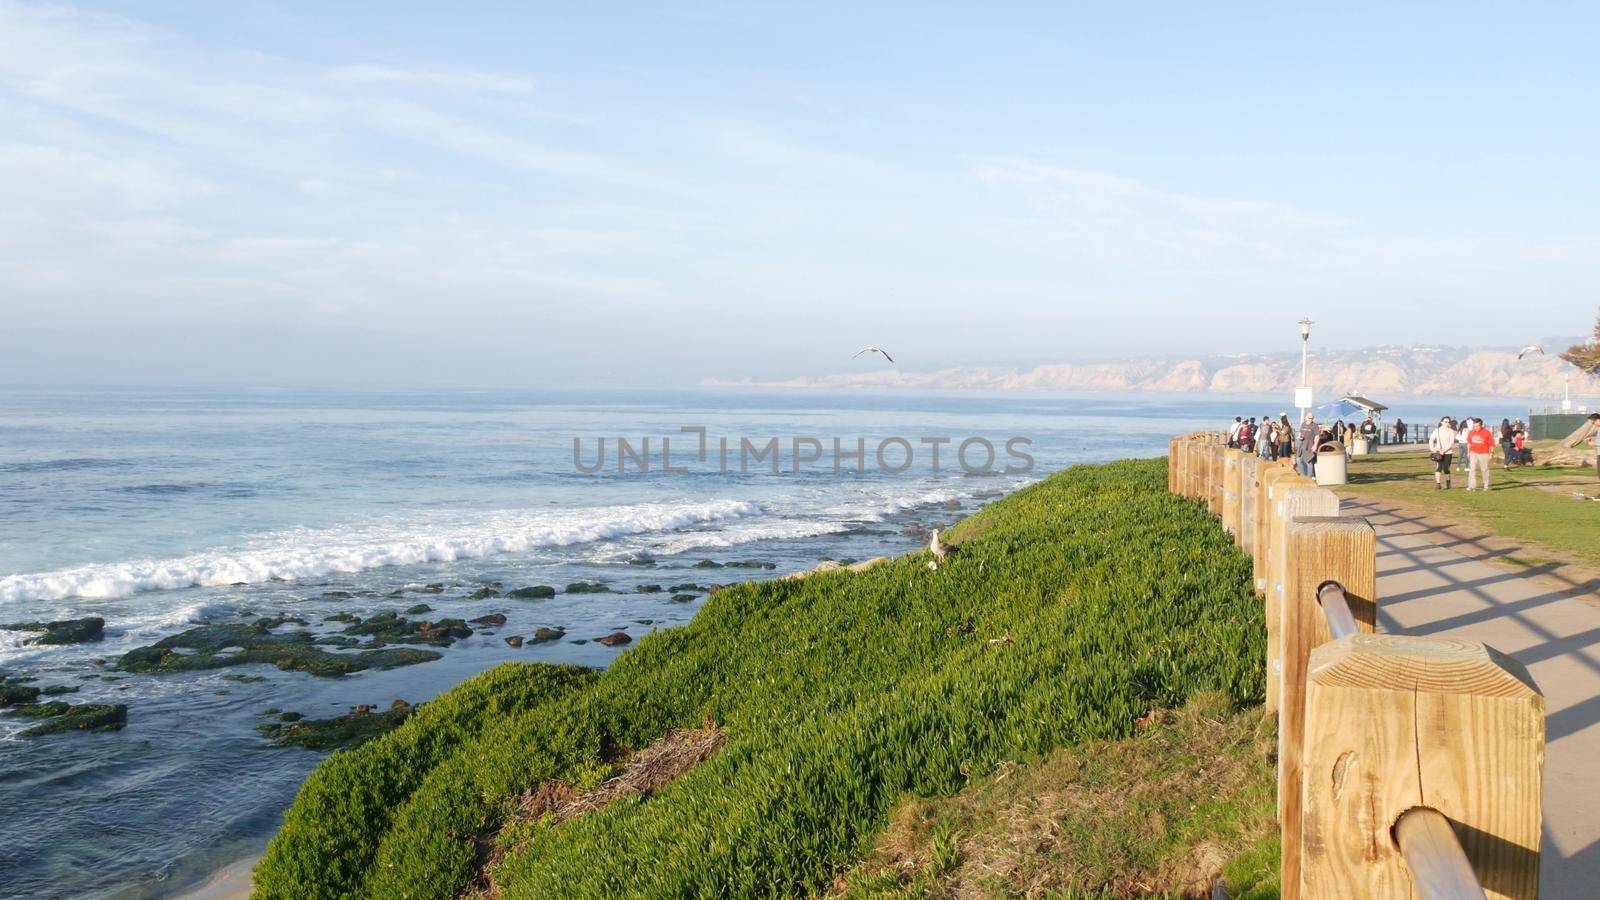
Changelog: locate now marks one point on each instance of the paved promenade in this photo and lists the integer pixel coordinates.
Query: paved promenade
(1437, 580)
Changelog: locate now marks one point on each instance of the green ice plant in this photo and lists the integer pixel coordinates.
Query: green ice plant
(1070, 609)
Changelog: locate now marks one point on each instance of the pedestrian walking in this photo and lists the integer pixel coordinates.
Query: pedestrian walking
(1480, 447)
(1310, 439)
(1442, 449)
(1508, 444)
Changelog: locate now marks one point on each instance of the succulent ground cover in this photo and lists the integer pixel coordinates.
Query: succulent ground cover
(1068, 612)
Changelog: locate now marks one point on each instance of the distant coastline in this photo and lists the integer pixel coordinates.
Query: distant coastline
(1380, 372)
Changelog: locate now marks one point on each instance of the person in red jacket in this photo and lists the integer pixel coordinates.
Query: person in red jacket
(1480, 446)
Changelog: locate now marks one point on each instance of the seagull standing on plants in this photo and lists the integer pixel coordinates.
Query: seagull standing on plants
(938, 549)
(1531, 348)
(879, 351)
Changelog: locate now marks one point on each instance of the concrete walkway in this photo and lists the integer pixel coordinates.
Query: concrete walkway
(1435, 579)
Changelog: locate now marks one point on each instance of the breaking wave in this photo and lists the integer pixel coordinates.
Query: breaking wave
(308, 553)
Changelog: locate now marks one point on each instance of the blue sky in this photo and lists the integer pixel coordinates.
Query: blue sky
(467, 193)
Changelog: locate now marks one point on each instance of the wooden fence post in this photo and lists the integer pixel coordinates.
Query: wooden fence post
(1249, 483)
(1214, 478)
(1270, 476)
(1291, 498)
(1393, 723)
(1319, 549)
(1190, 449)
(1232, 461)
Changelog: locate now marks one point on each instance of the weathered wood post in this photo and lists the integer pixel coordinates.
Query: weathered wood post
(1190, 451)
(1270, 476)
(1218, 455)
(1319, 549)
(1249, 483)
(1395, 723)
(1232, 460)
(1172, 465)
(1296, 496)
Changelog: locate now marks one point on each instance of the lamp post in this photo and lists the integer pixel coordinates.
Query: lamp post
(1302, 394)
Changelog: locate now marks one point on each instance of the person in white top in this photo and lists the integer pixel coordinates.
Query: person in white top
(1442, 450)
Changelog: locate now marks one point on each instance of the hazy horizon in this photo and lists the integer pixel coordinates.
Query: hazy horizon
(374, 194)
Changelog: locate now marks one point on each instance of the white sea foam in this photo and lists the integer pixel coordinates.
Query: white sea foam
(307, 553)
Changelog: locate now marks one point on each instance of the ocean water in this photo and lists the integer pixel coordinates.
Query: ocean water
(160, 510)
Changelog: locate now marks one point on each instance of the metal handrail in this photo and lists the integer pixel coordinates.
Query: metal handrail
(1336, 606)
(1439, 867)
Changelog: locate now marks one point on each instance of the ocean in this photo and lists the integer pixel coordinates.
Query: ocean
(164, 509)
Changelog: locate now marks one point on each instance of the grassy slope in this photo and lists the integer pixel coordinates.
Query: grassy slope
(1528, 504)
(1156, 814)
(843, 694)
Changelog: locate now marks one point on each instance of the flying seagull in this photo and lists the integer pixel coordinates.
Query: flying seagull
(1531, 348)
(883, 353)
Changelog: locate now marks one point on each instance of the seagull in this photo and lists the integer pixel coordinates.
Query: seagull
(937, 547)
(883, 353)
(1531, 348)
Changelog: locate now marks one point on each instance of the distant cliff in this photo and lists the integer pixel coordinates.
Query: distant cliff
(1378, 371)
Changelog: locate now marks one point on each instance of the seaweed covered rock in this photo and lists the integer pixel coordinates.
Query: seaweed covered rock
(535, 592)
(216, 646)
(648, 589)
(514, 641)
(615, 639)
(419, 609)
(749, 564)
(545, 635)
(349, 730)
(391, 628)
(61, 716)
(483, 594)
(682, 598)
(490, 619)
(587, 587)
(12, 693)
(66, 631)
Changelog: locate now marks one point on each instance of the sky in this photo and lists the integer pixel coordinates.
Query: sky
(394, 193)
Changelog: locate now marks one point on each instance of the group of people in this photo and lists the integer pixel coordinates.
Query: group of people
(1469, 445)
(1457, 445)
(1274, 439)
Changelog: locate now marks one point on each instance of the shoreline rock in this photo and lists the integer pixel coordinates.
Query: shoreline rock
(88, 629)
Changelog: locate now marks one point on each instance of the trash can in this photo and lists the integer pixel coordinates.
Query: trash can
(1360, 446)
(1331, 463)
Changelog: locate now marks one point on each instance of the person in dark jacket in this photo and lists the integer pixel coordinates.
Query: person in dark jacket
(1310, 439)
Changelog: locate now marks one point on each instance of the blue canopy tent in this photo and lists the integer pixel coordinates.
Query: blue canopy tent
(1351, 407)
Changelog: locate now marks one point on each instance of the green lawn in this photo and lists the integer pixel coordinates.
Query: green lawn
(1070, 610)
(1533, 505)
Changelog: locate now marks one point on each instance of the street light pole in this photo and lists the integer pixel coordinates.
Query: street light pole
(1302, 397)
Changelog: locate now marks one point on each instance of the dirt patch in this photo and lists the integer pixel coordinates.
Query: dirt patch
(644, 772)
